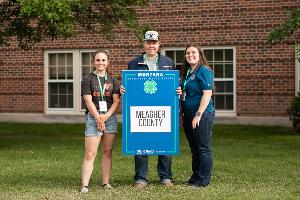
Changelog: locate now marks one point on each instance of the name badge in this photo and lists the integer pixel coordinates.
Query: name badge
(183, 96)
(102, 106)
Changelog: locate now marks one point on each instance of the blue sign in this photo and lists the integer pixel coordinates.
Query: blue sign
(150, 108)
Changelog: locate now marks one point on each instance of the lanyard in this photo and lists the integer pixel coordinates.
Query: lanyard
(102, 89)
(188, 79)
(154, 63)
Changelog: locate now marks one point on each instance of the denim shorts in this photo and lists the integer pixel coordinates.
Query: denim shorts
(91, 129)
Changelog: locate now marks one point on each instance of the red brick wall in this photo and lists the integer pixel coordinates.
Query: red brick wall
(22, 80)
(265, 74)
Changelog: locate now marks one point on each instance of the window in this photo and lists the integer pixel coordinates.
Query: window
(176, 56)
(222, 61)
(86, 67)
(86, 63)
(60, 80)
(63, 74)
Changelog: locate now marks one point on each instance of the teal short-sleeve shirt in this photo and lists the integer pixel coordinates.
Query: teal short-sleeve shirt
(196, 82)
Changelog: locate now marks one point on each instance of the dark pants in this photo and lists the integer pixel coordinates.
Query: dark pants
(200, 143)
(163, 168)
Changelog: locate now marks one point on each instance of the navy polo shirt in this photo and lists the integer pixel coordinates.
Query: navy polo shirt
(201, 80)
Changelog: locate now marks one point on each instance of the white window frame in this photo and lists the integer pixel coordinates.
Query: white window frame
(80, 72)
(76, 110)
(219, 113)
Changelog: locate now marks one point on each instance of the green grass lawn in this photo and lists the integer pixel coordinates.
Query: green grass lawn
(43, 161)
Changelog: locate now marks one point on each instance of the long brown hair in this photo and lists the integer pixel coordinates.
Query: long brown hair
(105, 52)
(186, 66)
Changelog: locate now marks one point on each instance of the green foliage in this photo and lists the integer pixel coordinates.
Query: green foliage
(281, 33)
(294, 112)
(32, 20)
(297, 47)
(295, 104)
(286, 30)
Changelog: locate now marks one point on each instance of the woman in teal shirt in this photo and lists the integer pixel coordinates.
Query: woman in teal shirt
(198, 113)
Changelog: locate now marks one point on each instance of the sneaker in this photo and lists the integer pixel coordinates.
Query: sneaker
(167, 183)
(139, 185)
(107, 186)
(84, 189)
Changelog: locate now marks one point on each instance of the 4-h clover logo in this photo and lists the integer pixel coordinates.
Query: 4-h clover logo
(150, 87)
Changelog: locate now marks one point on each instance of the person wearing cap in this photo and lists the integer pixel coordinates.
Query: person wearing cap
(151, 59)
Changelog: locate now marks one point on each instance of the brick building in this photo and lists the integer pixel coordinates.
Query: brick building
(254, 79)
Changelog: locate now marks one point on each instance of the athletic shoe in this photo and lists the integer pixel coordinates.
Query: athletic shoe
(84, 189)
(107, 186)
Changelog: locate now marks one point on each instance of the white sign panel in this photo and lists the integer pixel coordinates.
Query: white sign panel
(150, 119)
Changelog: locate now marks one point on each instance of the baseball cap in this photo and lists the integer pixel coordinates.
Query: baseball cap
(151, 35)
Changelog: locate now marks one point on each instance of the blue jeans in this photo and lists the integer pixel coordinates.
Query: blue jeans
(163, 168)
(200, 143)
(91, 128)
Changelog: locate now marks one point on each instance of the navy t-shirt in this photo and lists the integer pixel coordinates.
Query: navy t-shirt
(201, 80)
